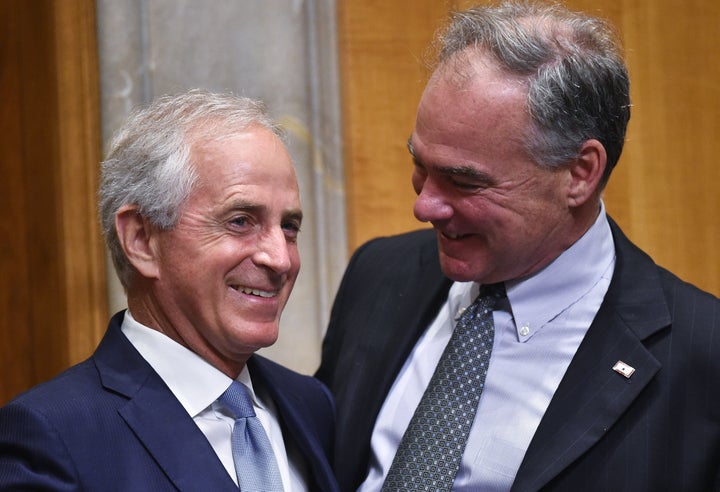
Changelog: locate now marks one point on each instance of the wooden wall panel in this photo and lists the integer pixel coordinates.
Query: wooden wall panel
(665, 191)
(52, 277)
(15, 322)
(80, 152)
(382, 45)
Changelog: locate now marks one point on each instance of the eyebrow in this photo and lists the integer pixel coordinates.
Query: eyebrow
(293, 214)
(461, 170)
(246, 206)
(410, 147)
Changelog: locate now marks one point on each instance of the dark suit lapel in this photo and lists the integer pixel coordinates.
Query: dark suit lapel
(422, 292)
(592, 397)
(157, 418)
(391, 291)
(419, 291)
(174, 440)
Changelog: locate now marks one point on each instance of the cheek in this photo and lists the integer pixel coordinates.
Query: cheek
(548, 206)
(484, 211)
(294, 254)
(539, 199)
(178, 264)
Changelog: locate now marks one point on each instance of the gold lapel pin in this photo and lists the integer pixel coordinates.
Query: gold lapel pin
(622, 368)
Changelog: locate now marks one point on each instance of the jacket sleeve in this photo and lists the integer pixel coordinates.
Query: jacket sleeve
(32, 453)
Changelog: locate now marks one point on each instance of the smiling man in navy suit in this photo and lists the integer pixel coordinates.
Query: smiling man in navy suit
(604, 367)
(201, 211)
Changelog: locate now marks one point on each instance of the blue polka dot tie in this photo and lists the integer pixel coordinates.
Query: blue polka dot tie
(254, 459)
(431, 449)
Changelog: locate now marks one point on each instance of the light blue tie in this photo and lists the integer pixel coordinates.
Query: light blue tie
(430, 452)
(255, 465)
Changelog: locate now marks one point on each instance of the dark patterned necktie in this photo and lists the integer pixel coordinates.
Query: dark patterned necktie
(430, 452)
(255, 463)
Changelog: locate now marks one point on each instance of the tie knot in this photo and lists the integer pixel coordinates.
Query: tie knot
(237, 399)
(495, 291)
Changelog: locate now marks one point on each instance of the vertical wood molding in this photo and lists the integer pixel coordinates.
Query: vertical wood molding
(15, 287)
(80, 152)
(52, 282)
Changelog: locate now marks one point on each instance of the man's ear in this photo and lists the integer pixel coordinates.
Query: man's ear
(586, 172)
(137, 239)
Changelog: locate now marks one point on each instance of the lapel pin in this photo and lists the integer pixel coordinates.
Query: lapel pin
(624, 369)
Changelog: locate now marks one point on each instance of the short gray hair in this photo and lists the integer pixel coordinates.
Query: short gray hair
(578, 85)
(148, 160)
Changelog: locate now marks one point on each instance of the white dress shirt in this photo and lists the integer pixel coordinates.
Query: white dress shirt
(538, 329)
(197, 385)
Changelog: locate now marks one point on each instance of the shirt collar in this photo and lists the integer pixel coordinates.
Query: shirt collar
(195, 382)
(540, 298)
(536, 300)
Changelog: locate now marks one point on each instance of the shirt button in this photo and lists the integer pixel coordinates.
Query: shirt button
(525, 330)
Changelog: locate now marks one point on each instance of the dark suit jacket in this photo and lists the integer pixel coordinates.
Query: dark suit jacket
(111, 423)
(659, 430)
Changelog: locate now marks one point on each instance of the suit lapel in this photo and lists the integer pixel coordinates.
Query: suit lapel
(423, 291)
(174, 440)
(156, 418)
(420, 292)
(391, 291)
(592, 397)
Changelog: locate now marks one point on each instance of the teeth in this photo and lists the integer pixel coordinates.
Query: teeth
(255, 292)
(451, 236)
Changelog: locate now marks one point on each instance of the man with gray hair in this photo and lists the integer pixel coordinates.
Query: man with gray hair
(201, 211)
(524, 343)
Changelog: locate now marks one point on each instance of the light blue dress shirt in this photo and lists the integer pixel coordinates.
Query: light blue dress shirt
(198, 385)
(538, 329)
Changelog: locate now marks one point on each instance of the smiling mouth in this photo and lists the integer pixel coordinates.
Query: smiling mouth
(254, 292)
(450, 235)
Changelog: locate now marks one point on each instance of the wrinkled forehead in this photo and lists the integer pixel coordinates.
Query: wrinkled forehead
(255, 157)
(466, 103)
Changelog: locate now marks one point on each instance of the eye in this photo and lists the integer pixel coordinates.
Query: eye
(468, 185)
(468, 179)
(291, 229)
(470, 182)
(240, 222)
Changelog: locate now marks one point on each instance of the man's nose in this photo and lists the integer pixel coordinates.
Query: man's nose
(431, 204)
(274, 251)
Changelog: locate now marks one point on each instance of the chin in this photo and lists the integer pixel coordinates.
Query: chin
(456, 271)
(256, 334)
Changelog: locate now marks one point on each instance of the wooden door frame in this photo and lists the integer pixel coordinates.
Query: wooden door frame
(53, 297)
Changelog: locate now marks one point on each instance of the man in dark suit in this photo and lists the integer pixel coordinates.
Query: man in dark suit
(603, 366)
(201, 211)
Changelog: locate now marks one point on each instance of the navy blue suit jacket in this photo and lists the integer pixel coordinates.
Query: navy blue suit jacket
(111, 423)
(659, 430)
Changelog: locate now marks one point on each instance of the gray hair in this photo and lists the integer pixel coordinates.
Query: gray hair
(148, 162)
(578, 85)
